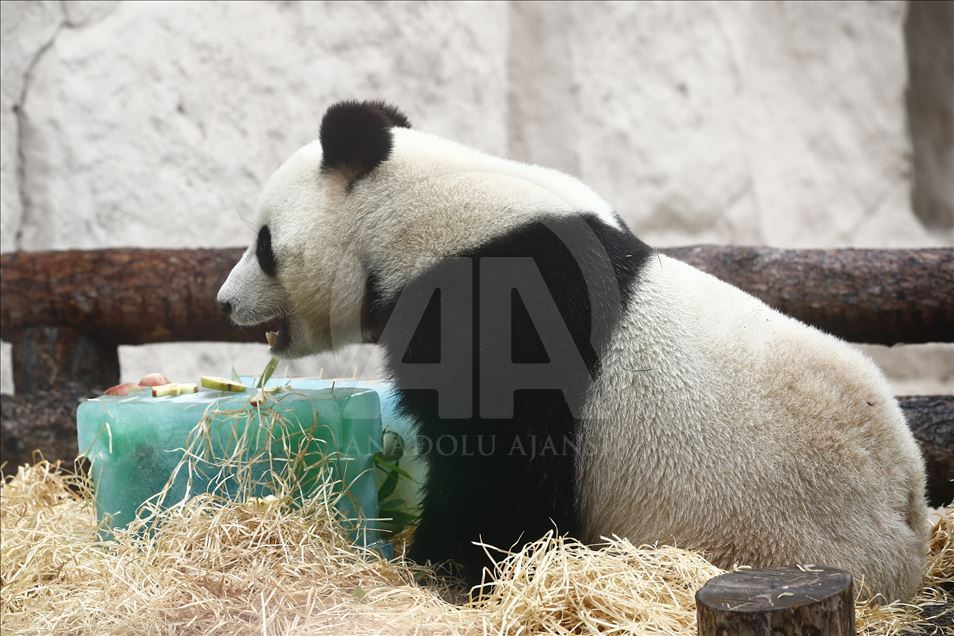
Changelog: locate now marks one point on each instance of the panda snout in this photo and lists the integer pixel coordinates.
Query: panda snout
(227, 303)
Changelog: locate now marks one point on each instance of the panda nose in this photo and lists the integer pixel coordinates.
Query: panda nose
(226, 307)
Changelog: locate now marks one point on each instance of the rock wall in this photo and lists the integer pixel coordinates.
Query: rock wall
(155, 124)
(930, 102)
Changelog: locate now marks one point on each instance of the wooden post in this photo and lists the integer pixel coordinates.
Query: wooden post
(50, 357)
(806, 601)
(41, 422)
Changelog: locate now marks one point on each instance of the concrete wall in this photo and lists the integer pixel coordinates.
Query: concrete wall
(155, 124)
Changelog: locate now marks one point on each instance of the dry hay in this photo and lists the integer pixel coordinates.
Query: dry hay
(227, 568)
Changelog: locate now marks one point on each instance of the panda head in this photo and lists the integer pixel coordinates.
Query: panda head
(302, 276)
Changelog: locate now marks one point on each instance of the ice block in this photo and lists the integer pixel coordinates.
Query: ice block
(134, 444)
(392, 419)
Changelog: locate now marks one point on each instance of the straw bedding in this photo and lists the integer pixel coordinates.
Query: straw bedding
(218, 567)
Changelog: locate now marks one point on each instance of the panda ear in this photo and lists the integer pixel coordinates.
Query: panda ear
(395, 116)
(356, 137)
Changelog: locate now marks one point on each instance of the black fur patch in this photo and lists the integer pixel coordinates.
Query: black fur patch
(505, 479)
(393, 115)
(264, 253)
(356, 136)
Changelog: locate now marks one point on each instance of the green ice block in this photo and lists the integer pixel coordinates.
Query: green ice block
(134, 444)
(393, 419)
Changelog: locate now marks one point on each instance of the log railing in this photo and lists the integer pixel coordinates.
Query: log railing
(67, 312)
(138, 296)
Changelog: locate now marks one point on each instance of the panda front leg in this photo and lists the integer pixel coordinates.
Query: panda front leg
(490, 483)
(462, 505)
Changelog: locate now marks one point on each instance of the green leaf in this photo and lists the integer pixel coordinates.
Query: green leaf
(391, 468)
(235, 376)
(388, 486)
(267, 373)
(358, 594)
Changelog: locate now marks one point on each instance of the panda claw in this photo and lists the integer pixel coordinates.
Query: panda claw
(272, 338)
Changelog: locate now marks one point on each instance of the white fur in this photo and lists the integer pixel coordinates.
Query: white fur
(434, 197)
(319, 276)
(716, 423)
(247, 280)
(722, 425)
(431, 198)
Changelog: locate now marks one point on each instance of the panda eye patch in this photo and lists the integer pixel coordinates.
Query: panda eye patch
(263, 250)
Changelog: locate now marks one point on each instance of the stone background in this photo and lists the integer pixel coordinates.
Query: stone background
(788, 124)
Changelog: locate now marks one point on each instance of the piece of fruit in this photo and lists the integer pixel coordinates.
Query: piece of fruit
(165, 390)
(221, 384)
(174, 388)
(124, 389)
(153, 379)
(262, 394)
(261, 504)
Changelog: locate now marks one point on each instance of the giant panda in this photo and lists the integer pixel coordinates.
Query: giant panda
(566, 376)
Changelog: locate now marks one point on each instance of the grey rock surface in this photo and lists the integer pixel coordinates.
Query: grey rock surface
(27, 30)
(930, 101)
(156, 124)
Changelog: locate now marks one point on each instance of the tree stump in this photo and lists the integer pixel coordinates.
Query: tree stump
(806, 601)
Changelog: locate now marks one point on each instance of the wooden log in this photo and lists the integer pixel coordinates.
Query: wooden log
(123, 296)
(931, 418)
(130, 296)
(861, 295)
(49, 357)
(815, 600)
